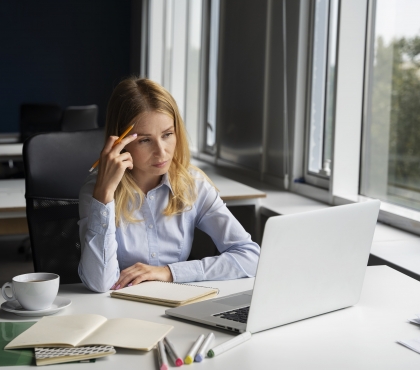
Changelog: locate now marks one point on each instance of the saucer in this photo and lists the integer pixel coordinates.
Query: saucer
(14, 307)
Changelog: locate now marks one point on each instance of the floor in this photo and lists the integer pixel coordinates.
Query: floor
(15, 258)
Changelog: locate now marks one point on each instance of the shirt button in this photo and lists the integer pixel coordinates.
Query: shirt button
(150, 226)
(103, 225)
(153, 254)
(152, 197)
(104, 213)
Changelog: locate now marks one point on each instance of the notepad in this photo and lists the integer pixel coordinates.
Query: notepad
(165, 293)
(49, 356)
(90, 330)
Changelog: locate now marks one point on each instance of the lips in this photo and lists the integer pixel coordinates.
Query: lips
(160, 164)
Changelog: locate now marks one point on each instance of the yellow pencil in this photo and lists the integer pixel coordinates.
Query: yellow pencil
(124, 134)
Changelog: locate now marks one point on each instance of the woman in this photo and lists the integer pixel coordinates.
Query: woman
(138, 211)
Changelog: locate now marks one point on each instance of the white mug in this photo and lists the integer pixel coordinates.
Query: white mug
(34, 291)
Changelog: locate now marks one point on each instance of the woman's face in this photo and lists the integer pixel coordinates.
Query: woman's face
(154, 148)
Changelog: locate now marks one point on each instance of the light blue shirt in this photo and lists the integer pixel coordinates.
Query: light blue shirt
(161, 240)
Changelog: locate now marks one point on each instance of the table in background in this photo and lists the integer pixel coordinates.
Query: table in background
(13, 205)
(360, 337)
(11, 152)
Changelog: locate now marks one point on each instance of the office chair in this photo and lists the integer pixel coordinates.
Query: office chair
(80, 118)
(56, 165)
(37, 118)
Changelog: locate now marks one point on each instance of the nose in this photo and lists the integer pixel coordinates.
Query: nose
(159, 149)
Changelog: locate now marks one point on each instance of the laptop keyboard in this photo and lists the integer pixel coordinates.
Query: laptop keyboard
(238, 315)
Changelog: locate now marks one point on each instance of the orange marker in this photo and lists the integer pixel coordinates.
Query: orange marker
(117, 142)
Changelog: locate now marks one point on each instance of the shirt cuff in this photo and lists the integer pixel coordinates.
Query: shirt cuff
(102, 217)
(187, 271)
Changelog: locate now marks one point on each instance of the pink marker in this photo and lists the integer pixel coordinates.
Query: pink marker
(172, 352)
(163, 360)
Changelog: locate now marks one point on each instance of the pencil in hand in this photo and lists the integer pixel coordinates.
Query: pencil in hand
(124, 134)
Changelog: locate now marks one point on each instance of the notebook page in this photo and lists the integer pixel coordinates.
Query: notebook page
(56, 331)
(166, 291)
(128, 333)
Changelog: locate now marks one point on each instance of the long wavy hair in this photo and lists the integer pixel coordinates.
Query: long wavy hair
(131, 98)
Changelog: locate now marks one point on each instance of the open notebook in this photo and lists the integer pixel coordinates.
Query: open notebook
(90, 330)
(166, 294)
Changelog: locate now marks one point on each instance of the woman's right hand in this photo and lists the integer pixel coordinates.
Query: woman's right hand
(112, 165)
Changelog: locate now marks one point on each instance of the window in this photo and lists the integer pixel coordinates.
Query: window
(322, 92)
(174, 55)
(391, 151)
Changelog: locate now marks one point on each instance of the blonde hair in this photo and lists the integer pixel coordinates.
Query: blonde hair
(132, 97)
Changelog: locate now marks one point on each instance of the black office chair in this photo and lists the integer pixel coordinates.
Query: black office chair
(56, 165)
(80, 118)
(37, 118)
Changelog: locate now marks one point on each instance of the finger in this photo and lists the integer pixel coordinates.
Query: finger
(109, 144)
(128, 278)
(129, 274)
(144, 277)
(121, 145)
(125, 157)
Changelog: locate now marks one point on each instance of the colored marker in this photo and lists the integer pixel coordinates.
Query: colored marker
(189, 359)
(229, 344)
(163, 360)
(172, 352)
(203, 349)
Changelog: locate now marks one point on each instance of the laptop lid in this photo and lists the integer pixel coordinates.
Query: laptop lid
(311, 263)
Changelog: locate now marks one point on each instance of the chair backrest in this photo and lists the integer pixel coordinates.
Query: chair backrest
(37, 118)
(56, 165)
(80, 118)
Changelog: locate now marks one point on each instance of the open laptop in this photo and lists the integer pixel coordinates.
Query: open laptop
(310, 263)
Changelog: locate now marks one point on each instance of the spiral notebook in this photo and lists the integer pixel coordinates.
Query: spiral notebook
(165, 293)
(48, 356)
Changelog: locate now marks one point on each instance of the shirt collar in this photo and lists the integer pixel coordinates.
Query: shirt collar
(165, 181)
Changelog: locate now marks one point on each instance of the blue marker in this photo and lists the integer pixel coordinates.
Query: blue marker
(203, 349)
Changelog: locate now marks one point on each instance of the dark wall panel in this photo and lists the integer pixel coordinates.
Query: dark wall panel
(70, 52)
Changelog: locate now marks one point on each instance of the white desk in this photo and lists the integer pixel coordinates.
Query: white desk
(359, 337)
(13, 205)
(11, 151)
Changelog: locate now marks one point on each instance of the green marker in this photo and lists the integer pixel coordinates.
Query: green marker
(229, 344)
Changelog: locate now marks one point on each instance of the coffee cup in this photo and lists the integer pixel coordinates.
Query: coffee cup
(34, 291)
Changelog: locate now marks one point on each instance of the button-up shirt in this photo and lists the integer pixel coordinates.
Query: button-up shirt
(160, 240)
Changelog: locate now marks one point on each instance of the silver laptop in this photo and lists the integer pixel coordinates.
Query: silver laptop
(310, 263)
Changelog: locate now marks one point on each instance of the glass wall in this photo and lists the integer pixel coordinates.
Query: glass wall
(391, 155)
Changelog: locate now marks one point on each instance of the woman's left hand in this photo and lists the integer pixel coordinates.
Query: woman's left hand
(140, 272)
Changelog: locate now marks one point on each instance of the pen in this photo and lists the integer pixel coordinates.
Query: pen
(124, 134)
(189, 359)
(229, 344)
(163, 360)
(202, 351)
(172, 352)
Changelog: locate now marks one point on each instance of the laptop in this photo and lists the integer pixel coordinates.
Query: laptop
(311, 263)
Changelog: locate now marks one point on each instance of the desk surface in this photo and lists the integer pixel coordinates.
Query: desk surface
(359, 337)
(12, 193)
(11, 151)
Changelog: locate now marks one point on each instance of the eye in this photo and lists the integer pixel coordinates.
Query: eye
(144, 141)
(168, 134)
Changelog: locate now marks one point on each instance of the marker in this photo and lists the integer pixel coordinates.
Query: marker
(172, 353)
(189, 359)
(203, 349)
(229, 344)
(163, 360)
